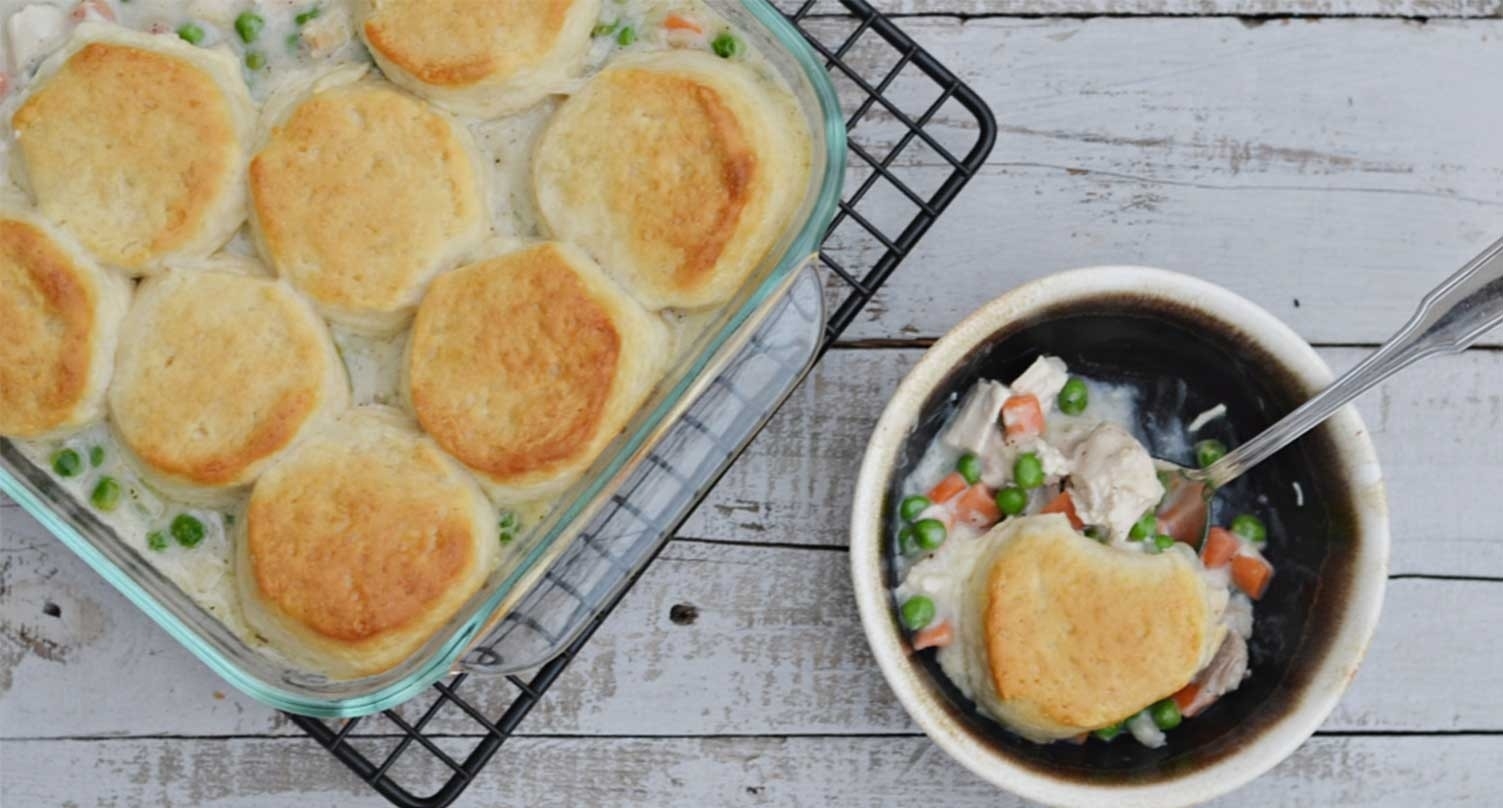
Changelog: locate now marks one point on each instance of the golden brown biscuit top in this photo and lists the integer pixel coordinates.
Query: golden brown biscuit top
(512, 363)
(223, 372)
(359, 191)
(1089, 634)
(127, 149)
(691, 172)
(47, 325)
(461, 42)
(354, 541)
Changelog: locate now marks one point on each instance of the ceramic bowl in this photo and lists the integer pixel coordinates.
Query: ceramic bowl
(1185, 345)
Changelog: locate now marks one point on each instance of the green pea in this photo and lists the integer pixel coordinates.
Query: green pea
(308, 16)
(294, 41)
(969, 467)
(1108, 733)
(1166, 714)
(1028, 471)
(248, 25)
(96, 456)
(726, 45)
(1012, 500)
(187, 530)
(913, 506)
(509, 520)
(626, 36)
(907, 540)
(67, 463)
(1073, 397)
(229, 519)
(1209, 451)
(191, 33)
(156, 540)
(1251, 528)
(1159, 544)
(106, 494)
(930, 534)
(255, 60)
(1144, 527)
(506, 537)
(917, 612)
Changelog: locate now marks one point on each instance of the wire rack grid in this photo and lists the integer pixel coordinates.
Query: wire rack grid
(917, 135)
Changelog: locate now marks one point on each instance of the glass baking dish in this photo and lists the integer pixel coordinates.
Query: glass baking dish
(528, 557)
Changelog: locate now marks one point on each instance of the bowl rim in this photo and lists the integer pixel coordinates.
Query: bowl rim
(1355, 454)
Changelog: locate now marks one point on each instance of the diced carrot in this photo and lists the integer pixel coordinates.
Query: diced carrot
(937, 635)
(1251, 575)
(1022, 417)
(1184, 515)
(1065, 505)
(1221, 545)
(1186, 697)
(677, 23)
(948, 488)
(977, 507)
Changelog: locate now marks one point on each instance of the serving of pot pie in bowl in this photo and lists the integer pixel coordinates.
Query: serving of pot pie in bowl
(1042, 597)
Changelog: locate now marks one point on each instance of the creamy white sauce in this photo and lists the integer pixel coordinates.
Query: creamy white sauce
(290, 50)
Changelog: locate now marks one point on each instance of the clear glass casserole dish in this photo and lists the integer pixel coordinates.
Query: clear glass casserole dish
(726, 332)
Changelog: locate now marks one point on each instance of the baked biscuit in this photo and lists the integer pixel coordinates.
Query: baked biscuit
(677, 171)
(482, 58)
(360, 194)
(59, 322)
(217, 373)
(524, 366)
(362, 543)
(136, 144)
(1079, 635)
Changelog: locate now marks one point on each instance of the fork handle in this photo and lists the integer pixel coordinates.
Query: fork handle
(1449, 319)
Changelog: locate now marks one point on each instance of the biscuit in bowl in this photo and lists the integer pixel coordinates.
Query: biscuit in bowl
(360, 194)
(677, 171)
(218, 373)
(1076, 634)
(482, 58)
(60, 319)
(524, 366)
(136, 145)
(362, 543)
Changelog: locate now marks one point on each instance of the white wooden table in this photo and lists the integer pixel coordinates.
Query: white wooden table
(1330, 168)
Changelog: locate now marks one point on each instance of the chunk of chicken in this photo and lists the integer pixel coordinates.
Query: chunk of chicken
(1043, 379)
(1113, 481)
(975, 424)
(1223, 674)
(32, 33)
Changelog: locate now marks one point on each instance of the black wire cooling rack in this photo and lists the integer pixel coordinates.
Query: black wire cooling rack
(917, 135)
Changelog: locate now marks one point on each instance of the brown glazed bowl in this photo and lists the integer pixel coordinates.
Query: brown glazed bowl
(1186, 345)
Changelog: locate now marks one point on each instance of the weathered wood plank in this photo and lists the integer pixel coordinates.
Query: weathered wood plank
(795, 482)
(603, 772)
(773, 647)
(1340, 164)
(1429, 9)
